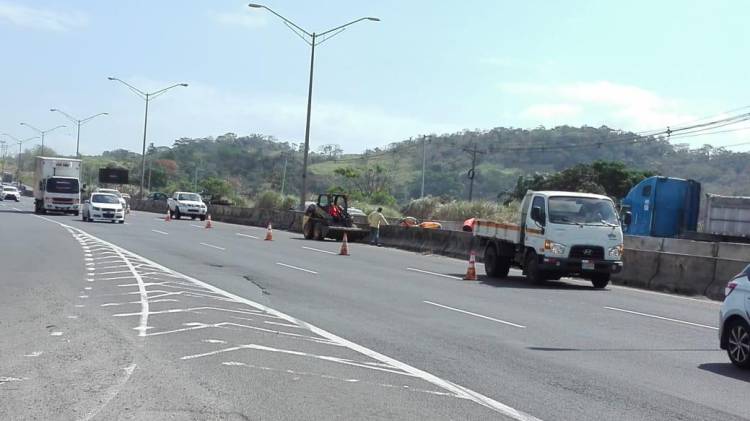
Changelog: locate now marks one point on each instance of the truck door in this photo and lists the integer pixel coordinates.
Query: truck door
(534, 230)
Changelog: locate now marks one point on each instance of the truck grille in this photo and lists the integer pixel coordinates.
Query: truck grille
(587, 252)
(62, 201)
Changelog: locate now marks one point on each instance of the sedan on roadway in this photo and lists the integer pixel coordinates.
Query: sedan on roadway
(734, 326)
(103, 207)
(10, 193)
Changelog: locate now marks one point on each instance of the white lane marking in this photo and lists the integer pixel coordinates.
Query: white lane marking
(280, 324)
(143, 324)
(196, 226)
(212, 246)
(475, 314)
(318, 250)
(653, 316)
(56, 333)
(461, 391)
(34, 354)
(434, 273)
(296, 268)
(110, 393)
(160, 232)
(246, 235)
(643, 291)
(214, 341)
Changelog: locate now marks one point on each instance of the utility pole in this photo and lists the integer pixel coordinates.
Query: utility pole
(283, 177)
(473, 151)
(4, 148)
(424, 163)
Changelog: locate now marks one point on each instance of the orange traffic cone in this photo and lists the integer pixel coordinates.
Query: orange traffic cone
(208, 221)
(344, 247)
(471, 272)
(269, 233)
(168, 217)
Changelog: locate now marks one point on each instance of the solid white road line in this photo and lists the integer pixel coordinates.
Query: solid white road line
(679, 297)
(653, 316)
(196, 226)
(160, 232)
(296, 268)
(459, 390)
(318, 250)
(475, 314)
(212, 246)
(246, 235)
(434, 273)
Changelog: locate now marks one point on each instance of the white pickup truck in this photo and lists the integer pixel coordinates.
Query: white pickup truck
(559, 234)
(187, 204)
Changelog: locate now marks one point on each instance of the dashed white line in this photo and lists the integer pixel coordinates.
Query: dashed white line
(160, 232)
(318, 250)
(195, 226)
(434, 273)
(212, 246)
(653, 316)
(475, 314)
(246, 235)
(296, 268)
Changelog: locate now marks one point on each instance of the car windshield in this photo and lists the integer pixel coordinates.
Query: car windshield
(11, 189)
(110, 191)
(62, 185)
(104, 198)
(581, 210)
(189, 196)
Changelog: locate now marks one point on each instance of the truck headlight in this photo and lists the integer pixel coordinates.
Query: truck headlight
(616, 251)
(555, 248)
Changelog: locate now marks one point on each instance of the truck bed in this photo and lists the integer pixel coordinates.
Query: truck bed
(497, 230)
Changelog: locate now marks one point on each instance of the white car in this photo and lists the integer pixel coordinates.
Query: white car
(103, 207)
(187, 204)
(734, 318)
(10, 193)
(116, 193)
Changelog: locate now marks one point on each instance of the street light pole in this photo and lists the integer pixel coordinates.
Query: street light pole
(312, 39)
(4, 148)
(147, 97)
(42, 133)
(18, 158)
(78, 122)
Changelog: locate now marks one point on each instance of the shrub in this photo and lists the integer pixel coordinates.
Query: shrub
(383, 198)
(268, 200)
(289, 202)
(423, 208)
(462, 210)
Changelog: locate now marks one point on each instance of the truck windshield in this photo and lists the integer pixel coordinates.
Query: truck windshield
(581, 210)
(62, 185)
(189, 196)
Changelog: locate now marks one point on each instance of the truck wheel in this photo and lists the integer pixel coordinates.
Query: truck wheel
(203, 217)
(533, 273)
(495, 266)
(317, 232)
(600, 280)
(307, 230)
(75, 213)
(738, 343)
(193, 217)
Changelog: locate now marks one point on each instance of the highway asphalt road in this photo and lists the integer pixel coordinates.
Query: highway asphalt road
(161, 320)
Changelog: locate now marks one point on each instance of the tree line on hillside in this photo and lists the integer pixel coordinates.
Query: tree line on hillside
(241, 166)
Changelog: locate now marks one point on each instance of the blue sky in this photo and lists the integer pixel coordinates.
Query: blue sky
(427, 67)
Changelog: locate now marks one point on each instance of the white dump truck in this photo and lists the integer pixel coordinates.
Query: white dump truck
(559, 234)
(56, 185)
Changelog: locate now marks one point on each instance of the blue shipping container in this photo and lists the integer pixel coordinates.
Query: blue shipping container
(663, 207)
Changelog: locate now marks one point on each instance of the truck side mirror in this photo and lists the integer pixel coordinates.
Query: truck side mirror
(627, 218)
(536, 215)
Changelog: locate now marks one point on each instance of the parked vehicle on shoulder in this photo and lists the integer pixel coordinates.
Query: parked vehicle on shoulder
(187, 204)
(10, 193)
(734, 320)
(157, 196)
(559, 234)
(103, 207)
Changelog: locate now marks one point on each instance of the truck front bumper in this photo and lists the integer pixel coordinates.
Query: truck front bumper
(61, 208)
(580, 266)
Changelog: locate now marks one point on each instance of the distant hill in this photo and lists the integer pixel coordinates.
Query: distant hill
(255, 163)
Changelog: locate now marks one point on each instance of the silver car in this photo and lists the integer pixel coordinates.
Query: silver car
(734, 326)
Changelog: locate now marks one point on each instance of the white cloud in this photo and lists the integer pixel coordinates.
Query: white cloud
(43, 19)
(551, 111)
(249, 18)
(616, 105)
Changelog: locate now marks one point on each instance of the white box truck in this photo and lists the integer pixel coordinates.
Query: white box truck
(559, 234)
(56, 185)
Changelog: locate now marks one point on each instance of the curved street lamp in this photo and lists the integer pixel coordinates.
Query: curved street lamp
(312, 39)
(147, 97)
(42, 133)
(78, 123)
(20, 142)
